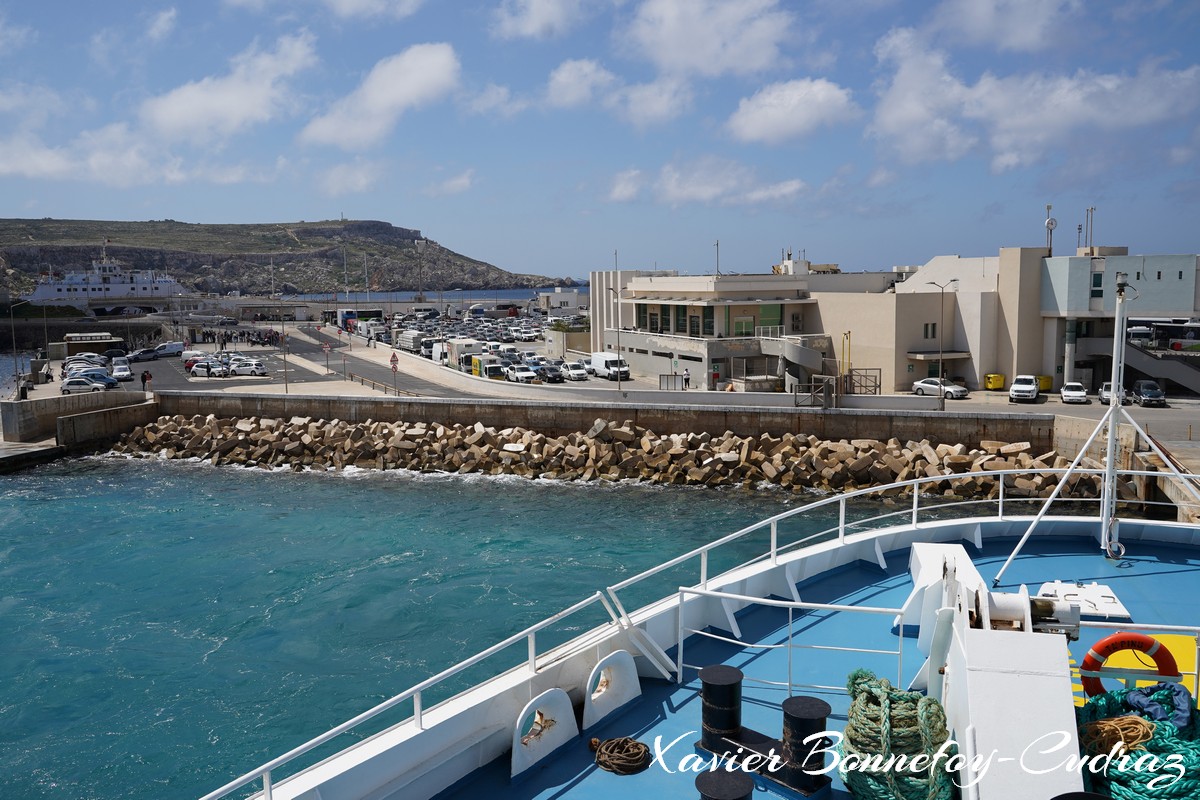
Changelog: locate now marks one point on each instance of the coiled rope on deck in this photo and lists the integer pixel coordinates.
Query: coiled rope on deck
(884, 724)
(1112, 718)
(624, 755)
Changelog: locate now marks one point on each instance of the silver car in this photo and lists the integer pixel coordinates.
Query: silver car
(940, 386)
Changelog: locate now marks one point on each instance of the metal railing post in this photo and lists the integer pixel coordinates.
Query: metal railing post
(842, 520)
(533, 652)
(774, 542)
(417, 711)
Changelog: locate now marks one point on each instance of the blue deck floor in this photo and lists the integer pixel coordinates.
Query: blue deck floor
(1158, 589)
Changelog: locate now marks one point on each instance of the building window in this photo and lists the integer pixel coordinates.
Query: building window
(664, 314)
(929, 331)
(743, 326)
(1097, 284)
(640, 312)
(709, 321)
(680, 319)
(693, 325)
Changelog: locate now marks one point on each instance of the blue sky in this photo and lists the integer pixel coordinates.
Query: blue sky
(543, 135)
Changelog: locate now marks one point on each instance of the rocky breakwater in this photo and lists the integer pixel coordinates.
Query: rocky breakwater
(608, 451)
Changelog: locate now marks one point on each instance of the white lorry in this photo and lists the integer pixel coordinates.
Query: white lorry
(610, 365)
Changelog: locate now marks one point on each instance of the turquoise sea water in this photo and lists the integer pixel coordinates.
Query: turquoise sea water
(168, 626)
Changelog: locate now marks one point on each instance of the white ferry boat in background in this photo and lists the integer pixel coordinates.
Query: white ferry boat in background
(106, 284)
(753, 673)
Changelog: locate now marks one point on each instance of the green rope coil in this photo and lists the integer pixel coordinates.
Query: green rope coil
(1124, 780)
(886, 722)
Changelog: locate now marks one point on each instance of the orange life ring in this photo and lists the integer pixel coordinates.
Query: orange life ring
(1125, 640)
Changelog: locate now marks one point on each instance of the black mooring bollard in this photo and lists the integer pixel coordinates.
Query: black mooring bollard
(721, 716)
(721, 785)
(803, 717)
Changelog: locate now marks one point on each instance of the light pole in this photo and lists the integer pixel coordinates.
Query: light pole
(620, 358)
(941, 335)
(12, 323)
(420, 244)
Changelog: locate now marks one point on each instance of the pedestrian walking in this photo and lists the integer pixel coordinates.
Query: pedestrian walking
(687, 378)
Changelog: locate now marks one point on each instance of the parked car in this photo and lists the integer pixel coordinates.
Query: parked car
(1105, 394)
(122, 372)
(936, 386)
(79, 384)
(549, 373)
(1023, 388)
(1073, 393)
(519, 373)
(1149, 393)
(95, 374)
(574, 372)
(242, 367)
(208, 369)
(115, 352)
(145, 354)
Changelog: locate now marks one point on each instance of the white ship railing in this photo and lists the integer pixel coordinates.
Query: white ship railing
(845, 531)
(860, 529)
(529, 636)
(792, 606)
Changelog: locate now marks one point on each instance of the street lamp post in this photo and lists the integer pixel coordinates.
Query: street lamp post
(941, 336)
(12, 323)
(420, 244)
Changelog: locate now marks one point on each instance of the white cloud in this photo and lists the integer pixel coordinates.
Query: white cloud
(30, 106)
(790, 110)
(575, 83)
(397, 9)
(712, 180)
(24, 156)
(351, 178)
(918, 112)
(928, 114)
(161, 25)
(626, 186)
(648, 104)
(13, 37)
(537, 19)
(1025, 116)
(116, 156)
(456, 185)
(496, 101)
(771, 193)
(881, 177)
(711, 37)
(1018, 25)
(253, 92)
(421, 74)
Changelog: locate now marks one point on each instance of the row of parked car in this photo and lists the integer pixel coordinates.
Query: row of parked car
(1026, 389)
(95, 372)
(533, 367)
(200, 364)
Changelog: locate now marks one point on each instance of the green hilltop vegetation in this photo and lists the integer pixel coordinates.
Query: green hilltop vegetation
(306, 257)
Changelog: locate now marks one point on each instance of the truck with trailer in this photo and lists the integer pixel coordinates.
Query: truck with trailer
(409, 341)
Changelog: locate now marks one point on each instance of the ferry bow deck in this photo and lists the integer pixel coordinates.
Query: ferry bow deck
(1157, 584)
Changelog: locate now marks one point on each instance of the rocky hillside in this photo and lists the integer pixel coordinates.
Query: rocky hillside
(307, 256)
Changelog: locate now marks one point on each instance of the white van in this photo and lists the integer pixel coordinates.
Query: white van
(610, 365)
(169, 349)
(186, 354)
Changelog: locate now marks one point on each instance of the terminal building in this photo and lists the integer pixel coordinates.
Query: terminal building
(978, 321)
